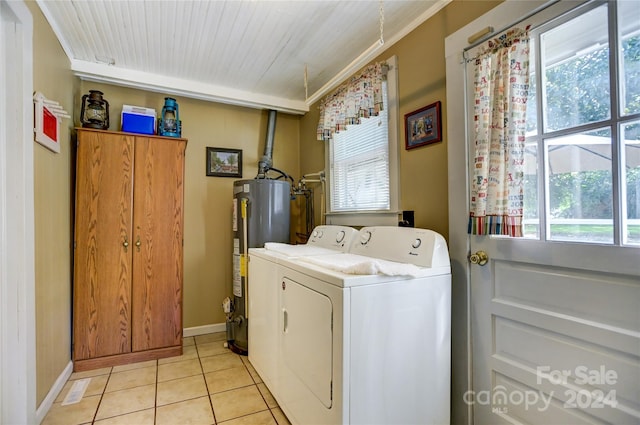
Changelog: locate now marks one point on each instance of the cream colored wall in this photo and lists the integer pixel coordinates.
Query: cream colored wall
(208, 200)
(53, 200)
(421, 76)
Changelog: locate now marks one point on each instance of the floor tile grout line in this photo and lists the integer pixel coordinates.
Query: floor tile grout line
(249, 414)
(155, 403)
(206, 386)
(253, 379)
(104, 390)
(260, 392)
(258, 388)
(182, 401)
(255, 383)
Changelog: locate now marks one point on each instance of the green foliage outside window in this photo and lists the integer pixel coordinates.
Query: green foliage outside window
(578, 92)
(583, 195)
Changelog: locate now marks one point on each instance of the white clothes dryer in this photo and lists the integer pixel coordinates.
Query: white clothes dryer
(362, 348)
(263, 299)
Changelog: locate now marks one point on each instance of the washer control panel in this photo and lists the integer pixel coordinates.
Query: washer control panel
(421, 247)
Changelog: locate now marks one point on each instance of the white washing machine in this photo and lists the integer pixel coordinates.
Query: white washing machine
(263, 298)
(362, 348)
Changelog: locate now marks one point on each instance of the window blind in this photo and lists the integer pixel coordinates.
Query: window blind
(360, 164)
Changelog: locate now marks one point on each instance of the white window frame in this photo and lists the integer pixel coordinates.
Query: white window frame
(615, 121)
(375, 218)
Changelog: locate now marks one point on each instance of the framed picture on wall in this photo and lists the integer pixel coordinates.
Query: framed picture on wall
(223, 162)
(48, 114)
(423, 126)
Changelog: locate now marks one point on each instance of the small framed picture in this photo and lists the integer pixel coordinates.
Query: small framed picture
(423, 126)
(223, 162)
(47, 128)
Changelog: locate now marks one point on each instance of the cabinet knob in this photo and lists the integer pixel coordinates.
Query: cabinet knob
(138, 243)
(125, 244)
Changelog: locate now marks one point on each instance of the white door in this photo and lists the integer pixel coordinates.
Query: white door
(555, 316)
(17, 281)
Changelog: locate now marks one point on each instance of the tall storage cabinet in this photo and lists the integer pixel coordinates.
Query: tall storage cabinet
(128, 248)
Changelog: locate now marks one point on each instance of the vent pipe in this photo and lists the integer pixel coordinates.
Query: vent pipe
(266, 161)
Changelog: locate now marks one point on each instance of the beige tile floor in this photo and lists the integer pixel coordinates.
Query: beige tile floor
(207, 385)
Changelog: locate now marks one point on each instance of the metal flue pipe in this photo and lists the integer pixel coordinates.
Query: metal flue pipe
(266, 161)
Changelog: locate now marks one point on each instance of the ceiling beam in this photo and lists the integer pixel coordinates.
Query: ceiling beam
(99, 72)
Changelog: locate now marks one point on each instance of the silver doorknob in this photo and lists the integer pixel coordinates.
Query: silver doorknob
(480, 258)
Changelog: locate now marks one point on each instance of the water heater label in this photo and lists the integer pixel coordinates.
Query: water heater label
(235, 214)
(237, 280)
(246, 187)
(236, 246)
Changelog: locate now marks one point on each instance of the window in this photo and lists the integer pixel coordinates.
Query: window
(362, 163)
(359, 164)
(582, 162)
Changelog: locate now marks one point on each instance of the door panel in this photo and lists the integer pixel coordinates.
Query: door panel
(307, 337)
(528, 286)
(102, 281)
(158, 230)
(557, 323)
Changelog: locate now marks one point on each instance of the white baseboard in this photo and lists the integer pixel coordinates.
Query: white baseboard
(205, 329)
(46, 404)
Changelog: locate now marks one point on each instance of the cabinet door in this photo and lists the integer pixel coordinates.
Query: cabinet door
(157, 258)
(102, 262)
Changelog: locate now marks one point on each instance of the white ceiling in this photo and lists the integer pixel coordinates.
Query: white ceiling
(252, 53)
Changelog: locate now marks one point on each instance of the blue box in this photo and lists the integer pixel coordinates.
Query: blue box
(140, 120)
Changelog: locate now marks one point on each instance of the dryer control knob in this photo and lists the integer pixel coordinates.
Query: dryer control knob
(340, 236)
(416, 244)
(365, 238)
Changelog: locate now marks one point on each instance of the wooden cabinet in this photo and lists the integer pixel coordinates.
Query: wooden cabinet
(128, 248)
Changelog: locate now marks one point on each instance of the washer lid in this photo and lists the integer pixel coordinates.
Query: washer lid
(297, 250)
(360, 265)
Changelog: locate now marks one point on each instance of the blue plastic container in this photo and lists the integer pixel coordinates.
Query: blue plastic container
(135, 123)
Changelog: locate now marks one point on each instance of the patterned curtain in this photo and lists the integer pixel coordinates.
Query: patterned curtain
(501, 90)
(360, 97)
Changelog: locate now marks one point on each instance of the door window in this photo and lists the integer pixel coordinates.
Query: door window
(583, 132)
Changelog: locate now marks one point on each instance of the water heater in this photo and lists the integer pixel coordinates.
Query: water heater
(261, 209)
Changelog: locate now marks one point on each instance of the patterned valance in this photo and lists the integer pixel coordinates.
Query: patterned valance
(359, 97)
